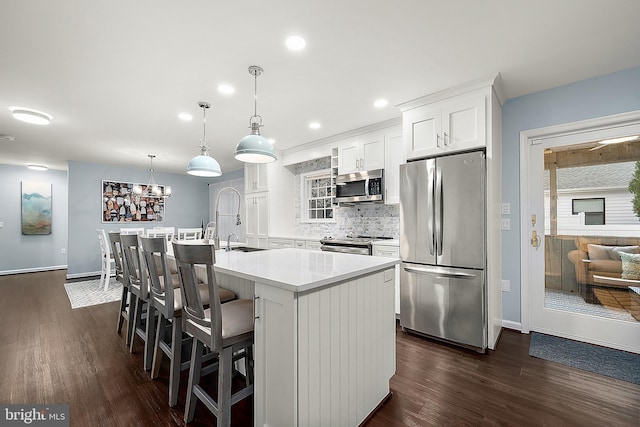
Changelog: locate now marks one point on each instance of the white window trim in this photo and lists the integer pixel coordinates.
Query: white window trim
(304, 211)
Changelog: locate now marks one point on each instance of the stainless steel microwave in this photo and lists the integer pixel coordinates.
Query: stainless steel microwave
(359, 187)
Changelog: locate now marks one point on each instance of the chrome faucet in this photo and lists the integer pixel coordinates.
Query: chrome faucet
(216, 235)
(228, 248)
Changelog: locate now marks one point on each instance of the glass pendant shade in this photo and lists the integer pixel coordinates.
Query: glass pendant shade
(255, 148)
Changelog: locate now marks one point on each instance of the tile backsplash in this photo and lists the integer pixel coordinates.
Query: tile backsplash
(362, 219)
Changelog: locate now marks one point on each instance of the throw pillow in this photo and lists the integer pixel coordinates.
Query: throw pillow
(598, 251)
(613, 253)
(630, 266)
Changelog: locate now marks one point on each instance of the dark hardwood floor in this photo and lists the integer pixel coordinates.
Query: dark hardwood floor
(50, 353)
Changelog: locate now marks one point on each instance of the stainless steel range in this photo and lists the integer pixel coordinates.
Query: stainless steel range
(361, 245)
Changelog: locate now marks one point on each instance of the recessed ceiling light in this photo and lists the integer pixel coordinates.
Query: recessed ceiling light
(296, 43)
(380, 103)
(186, 117)
(37, 167)
(30, 115)
(226, 89)
(314, 125)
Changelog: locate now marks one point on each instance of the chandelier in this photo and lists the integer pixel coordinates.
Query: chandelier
(152, 189)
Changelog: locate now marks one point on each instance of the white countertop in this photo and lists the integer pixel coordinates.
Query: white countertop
(298, 270)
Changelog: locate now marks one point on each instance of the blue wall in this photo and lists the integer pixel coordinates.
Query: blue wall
(20, 253)
(602, 96)
(187, 207)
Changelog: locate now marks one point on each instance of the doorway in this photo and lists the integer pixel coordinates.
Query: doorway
(577, 216)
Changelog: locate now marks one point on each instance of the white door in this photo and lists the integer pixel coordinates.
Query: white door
(540, 314)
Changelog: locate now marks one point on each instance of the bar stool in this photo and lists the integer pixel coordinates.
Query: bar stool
(116, 251)
(139, 298)
(168, 302)
(223, 328)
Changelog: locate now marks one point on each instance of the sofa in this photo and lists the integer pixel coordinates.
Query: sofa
(599, 255)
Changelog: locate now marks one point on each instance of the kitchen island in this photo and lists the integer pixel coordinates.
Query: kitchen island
(324, 332)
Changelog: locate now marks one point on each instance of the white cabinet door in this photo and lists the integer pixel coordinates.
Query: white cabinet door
(391, 252)
(463, 124)
(365, 153)
(255, 177)
(257, 220)
(349, 158)
(372, 152)
(393, 158)
(275, 384)
(275, 243)
(456, 124)
(422, 131)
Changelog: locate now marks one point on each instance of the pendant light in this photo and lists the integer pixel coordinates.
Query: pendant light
(152, 190)
(204, 165)
(255, 148)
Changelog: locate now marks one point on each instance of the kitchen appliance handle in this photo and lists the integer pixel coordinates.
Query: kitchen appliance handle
(440, 212)
(366, 187)
(430, 211)
(440, 273)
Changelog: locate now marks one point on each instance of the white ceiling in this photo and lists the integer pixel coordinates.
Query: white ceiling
(115, 74)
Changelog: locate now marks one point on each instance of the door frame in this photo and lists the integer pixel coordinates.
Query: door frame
(573, 132)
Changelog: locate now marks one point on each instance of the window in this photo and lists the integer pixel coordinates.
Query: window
(316, 197)
(593, 210)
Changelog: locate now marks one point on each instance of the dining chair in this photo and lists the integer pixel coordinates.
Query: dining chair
(141, 313)
(224, 329)
(133, 230)
(106, 259)
(209, 230)
(168, 303)
(167, 232)
(189, 233)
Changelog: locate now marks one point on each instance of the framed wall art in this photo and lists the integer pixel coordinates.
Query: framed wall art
(36, 207)
(130, 202)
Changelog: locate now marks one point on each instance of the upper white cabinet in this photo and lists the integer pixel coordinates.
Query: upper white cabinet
(393, 158)
(255, 177)
(257, 219)
(455, 124)
(363, 153)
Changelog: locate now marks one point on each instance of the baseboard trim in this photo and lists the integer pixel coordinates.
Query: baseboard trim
(509, 324)
(85, 274)
(33, 270)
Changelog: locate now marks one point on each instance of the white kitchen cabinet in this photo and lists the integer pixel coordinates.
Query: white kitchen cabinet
(393, 158)
(391, 252)
(276, 243)
(361, 154)
(257, 219)
(455, 124)
(255, 177)
(324, 357)
(313, 245)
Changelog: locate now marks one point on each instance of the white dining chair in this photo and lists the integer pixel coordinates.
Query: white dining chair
(189, 233)
(210, 230)
(132, 230)
(167, 232)
(105, 259)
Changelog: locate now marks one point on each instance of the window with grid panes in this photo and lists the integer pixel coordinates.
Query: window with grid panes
(316, 196)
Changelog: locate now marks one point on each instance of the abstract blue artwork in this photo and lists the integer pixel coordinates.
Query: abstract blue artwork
(36, 207)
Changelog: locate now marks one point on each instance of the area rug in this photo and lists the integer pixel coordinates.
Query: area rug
(89, 292)
(613, 363)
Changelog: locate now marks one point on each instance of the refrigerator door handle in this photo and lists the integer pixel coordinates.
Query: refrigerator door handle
(439, 215)
(431, 211)
(440, 273)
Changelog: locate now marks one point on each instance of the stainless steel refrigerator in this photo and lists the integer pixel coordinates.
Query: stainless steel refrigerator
(443, 248)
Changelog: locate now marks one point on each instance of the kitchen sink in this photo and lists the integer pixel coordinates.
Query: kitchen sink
(247, 249)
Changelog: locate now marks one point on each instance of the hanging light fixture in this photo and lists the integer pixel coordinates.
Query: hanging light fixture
(255, 148)
(204, 165)
(152, 190)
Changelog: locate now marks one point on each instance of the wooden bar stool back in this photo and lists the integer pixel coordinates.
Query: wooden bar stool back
(224, 328)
